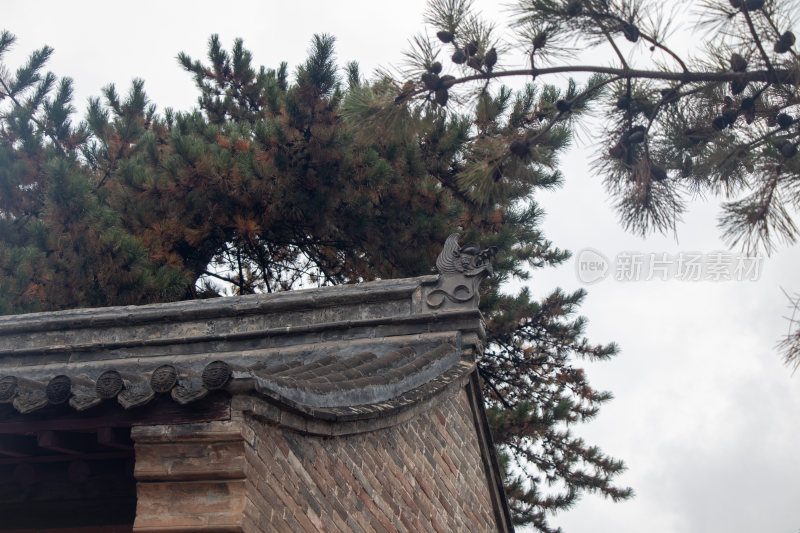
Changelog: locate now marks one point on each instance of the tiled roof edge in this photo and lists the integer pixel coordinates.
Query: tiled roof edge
(336, 388)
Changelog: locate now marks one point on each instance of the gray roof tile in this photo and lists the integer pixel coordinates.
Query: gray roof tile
(360, 385)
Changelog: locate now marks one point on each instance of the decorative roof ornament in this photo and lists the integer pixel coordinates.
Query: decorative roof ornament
(461, 269)
(468, 260)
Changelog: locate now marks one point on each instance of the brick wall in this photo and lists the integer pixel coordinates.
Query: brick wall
(425, 474)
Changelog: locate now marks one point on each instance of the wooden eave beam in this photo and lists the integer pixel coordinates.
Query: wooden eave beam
(17, 446)
(65, 442)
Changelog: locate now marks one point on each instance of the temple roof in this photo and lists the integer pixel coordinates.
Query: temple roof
(335, 353)
(329, 361)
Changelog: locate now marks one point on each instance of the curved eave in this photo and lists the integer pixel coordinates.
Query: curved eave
(330, 388)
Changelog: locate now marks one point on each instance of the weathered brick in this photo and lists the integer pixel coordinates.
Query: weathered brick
(425, 474)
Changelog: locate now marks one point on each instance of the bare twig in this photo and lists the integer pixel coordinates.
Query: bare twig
(757, 39)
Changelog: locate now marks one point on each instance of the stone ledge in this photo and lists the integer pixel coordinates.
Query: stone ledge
(236, 306)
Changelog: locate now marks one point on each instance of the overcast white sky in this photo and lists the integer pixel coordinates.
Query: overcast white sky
(705, 415)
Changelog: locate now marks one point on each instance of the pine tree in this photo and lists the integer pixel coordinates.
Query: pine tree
(62, 243)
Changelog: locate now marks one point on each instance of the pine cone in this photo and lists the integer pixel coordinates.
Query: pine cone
(435, 68)
(441, 97)
(445, 36)
(730, 115)
(658, 173)
(563, 106)
(471, 48)
(719, 123)
(623, 102)
(431, 81)
(785, 43)
(574, 8)
(491, 58)
(738, 63)
(786, 147)
(631, 32)
(748, 104)
(784, 120)
(539, 41)
(519, 148)
(459, 57)
(738, 86)
(635, 135)
(475, 62)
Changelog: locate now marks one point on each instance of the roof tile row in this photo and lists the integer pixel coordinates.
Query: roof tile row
(357, 382)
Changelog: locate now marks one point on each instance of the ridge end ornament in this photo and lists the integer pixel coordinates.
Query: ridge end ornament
(461, 270)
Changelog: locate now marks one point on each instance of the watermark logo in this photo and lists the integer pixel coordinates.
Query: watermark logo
(592, 266)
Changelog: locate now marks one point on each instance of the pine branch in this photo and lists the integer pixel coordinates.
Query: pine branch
(42, 127)
(772, 75)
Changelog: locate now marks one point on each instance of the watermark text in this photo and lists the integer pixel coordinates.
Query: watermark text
(592, 266)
